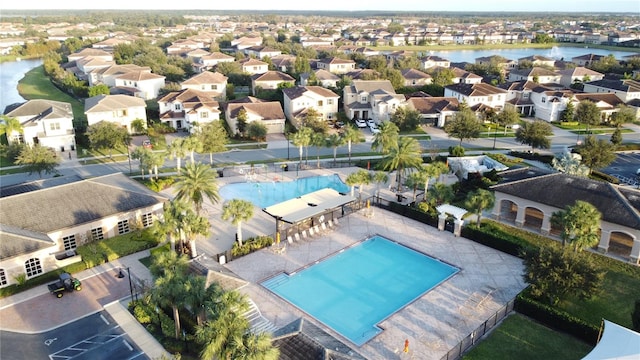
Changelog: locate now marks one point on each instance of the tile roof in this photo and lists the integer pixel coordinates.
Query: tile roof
(298, 91)
(608, 98)
(139, 76)
(101, 103)
(621, 85)
(579, 71)
(16, 241)
(206, 77)
(335, 60)
(272, 76)
(268, 110)
(617, 205)
(479, 89)
(40, 109)
(534, 71)
(190, 98)
(433, 105)
(414, 74)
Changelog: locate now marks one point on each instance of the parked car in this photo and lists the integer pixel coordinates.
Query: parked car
(374, 128)
(338, 125)
(361, 123)
(147, 144)
(371, 123)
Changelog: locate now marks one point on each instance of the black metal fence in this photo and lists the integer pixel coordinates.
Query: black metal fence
(468, 341)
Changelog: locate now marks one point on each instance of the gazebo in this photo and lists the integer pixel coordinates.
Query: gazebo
(456, 212)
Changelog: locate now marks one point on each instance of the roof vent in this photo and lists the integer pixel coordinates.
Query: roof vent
(592, 186)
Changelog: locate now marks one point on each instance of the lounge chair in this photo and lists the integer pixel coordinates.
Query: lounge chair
(335, 221)
(323, 226)
(316, 229)
(289, 240)
(311, 232)
(304, 234)
(330, 224)
(296, 236)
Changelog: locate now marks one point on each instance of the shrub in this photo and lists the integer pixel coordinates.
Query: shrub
(250, 245)
(598, 175)
(456, 151)
(635, 316)
(547, 159)
(21, 278)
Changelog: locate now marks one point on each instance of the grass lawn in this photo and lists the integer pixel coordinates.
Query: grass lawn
(518, 337)
(36, 85)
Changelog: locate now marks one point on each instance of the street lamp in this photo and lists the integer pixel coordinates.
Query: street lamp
(121, 275)
(495, 134)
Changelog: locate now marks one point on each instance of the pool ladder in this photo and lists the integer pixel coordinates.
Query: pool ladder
(275, 281)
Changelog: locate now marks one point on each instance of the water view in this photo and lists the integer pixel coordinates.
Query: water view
(10, 73)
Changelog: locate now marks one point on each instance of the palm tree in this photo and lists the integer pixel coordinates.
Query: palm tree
(170, 271)
(177, 150)
(252, 346)
(386, 139)
(379, 177)
(333, 141)
(351, 135)
(156, 159)
(318, 140)
(479, 200)
(237, 210)
(196, 293)
(192, 144)
(193, 226)
(361, 178)
(198, 182)
(143, 155)
(580, 224)
(407, 154)
(416, 179)
(302, 139)
(434, 169)
(440, 194)
(9, 126)
(168, 262)
(171, 223)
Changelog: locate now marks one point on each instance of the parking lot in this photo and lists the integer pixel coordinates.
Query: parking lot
(625, 168)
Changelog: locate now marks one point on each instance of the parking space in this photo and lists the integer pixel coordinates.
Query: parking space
(625, 167)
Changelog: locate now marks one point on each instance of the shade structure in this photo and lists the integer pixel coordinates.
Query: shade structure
(617, 343)
(457, 212)
(309, 205)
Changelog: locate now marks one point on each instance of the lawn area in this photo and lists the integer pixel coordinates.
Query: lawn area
(581, 129)
(36, 85)
(519, 337)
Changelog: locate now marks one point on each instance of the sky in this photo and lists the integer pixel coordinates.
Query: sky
(552, 6)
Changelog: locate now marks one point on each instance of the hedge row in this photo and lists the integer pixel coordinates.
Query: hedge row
(411, 213)
(556, 319)
(250, 245)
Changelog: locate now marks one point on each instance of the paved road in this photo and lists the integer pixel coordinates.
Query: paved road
(94, 337)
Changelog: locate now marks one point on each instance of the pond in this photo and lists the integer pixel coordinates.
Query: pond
(10, 73)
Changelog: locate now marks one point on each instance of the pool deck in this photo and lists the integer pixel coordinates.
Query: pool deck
(435, 322)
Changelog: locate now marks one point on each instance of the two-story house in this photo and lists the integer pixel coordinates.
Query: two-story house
(142, 84)
(336, 65)
(371, 99)
(253, 66)
(210, 61)
(538, 60)
(519, 96)
(246, 42)
(586, 60)
(270, 80)
(549, 103)
(415, 78)
(477, 94)
(298, 100)
(261, 51)
(90, 52)
(212, 83)
(108, 75)
(322, 78)
(626, 90)
(119, 109)
(606, 103)
(42, 223)
(536, 74)
(432, 60)
(284, 62)
(578, 74)
(188, 109)
(500, 61)
(45, 122)
(268, 113)
(434, 111)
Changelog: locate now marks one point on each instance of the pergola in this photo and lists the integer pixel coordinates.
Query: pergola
(456, 212)
(310, 206)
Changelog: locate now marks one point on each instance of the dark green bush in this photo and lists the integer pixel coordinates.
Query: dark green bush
(598, 175)
(547, 159)
(250, 245)
(556, 318)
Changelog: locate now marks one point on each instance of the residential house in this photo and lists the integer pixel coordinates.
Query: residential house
(519, 96)
(364, 51)
(536, 74)
(45, 122)
(270, 81)
(549, 103)
(460, 76)
(478, 94)
(626, 90)
(500, 61)
(253, 66)
(110, 44)
(336, 65)
(195, 54)
(92, 53)
(261, 52)
(528, 198)
(108, 75)
(578, 74)
(538, 60)
(606, 103)
(42, 222)
(246, 42)
(298, 100)
(268, 113)
(208, 62)
(183, 46)
(212, 83)
(363, 74)
(434, 111)
(586, 60)
(86, 65)
(316, 41)
(432, 60)
(284, 62)
(142, 84)
(371, 99)
(119, 109)
(415, 78)
(324, 79)
(188, 108)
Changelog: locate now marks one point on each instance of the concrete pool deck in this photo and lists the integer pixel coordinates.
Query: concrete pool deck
(436, 321)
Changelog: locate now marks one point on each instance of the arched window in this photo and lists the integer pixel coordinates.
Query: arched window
(33, 267)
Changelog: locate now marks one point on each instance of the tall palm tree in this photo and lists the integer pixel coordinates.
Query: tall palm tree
(252, 346)
(196, 294)
(197, 182)
(407, 154)
(302, 139)
(580, 224)
(351, 135)
(192, 144)
(386, 139)
(143, 155)
(237, 210)
(333, 141)
(9, 126)
(318, 140)
(415, 180)
(170, 271)
(433, 170)
(478, 201)
(379, 177)
(361, 177)
(194, 226)
(168, 262)
(440, 194)
(177, 150)
(171, 222)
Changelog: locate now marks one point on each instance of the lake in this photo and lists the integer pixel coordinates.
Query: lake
(557, 53)
(10, 73)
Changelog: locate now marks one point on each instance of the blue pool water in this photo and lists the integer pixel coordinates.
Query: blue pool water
(264, 194)
(357, 288)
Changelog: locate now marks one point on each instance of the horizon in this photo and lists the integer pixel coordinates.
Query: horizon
(487, 6)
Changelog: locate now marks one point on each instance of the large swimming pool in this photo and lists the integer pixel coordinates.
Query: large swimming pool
(265, 194)
(356, 289)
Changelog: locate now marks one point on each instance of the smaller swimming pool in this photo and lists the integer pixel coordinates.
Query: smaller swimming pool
(265, 194)
(356, 289)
